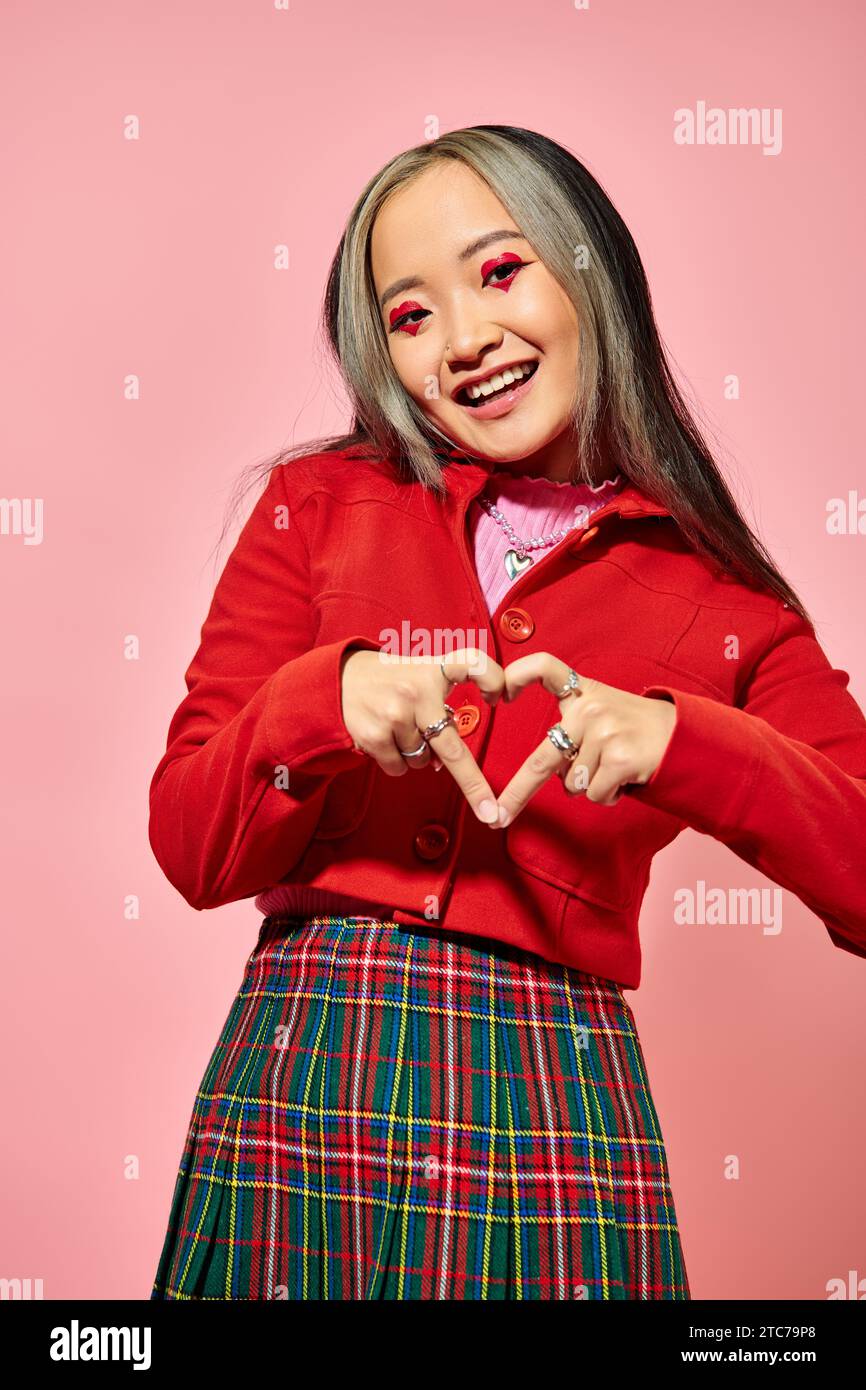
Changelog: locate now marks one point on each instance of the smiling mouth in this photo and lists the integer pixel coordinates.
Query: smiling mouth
(495, 393)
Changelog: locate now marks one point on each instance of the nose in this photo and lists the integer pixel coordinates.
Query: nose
(469, 336)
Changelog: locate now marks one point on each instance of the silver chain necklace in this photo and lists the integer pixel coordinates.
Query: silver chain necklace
(518, 559)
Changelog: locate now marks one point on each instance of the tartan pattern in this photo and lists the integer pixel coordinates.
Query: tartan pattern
(412, 1114)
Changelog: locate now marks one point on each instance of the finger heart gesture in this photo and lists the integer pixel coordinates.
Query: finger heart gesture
(604, 739)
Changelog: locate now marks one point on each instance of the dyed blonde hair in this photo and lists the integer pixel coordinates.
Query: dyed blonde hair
(626, 408)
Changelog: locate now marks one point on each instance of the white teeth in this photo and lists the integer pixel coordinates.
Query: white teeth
(498, 380)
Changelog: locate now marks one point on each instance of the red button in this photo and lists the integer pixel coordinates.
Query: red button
(432, 840)
(466, 719)
(588, 535)
(516, 624)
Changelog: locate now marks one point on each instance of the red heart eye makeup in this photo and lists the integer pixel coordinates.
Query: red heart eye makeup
(508, 260)
(498, 273)
(403, 312)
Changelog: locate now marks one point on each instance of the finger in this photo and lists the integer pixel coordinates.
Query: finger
(382, 748)
(531, 776)
(577, 774)
(453, 753)
(407, 739)
(472, 664)
(395, 730)
(541, 764)
(605, 787)
(546, 668)
(598, 769)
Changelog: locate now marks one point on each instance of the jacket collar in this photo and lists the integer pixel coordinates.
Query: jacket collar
(465, 476)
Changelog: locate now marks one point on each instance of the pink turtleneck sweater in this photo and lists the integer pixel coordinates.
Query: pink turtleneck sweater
(535, 508)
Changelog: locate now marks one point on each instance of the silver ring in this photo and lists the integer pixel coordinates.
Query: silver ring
(433, 729)
(561, 740)
(416, 752)
(572, 684)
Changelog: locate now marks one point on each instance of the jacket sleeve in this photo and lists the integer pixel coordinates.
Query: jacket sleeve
(251, 749)
(779, 777)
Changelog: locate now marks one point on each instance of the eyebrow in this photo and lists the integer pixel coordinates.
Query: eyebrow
(411, 282)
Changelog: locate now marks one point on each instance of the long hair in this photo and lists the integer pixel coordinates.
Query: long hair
(627, 407)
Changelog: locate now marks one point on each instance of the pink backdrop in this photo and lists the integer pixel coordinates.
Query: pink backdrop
(155, 257)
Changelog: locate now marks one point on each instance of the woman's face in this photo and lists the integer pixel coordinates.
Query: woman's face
(471, 310)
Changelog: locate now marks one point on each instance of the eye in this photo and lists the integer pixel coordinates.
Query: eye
(404, 316)
(502, 272)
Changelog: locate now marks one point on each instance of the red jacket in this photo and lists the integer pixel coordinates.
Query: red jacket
(768, 753)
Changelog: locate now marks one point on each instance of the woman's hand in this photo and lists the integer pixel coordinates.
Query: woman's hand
(620, 737)
(388, 700)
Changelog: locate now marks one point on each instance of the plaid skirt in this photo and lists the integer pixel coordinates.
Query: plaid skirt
(405, 1113)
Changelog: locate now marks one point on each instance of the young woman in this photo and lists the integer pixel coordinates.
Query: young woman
(466, 670)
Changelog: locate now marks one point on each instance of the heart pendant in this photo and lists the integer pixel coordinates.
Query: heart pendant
(515, 566)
